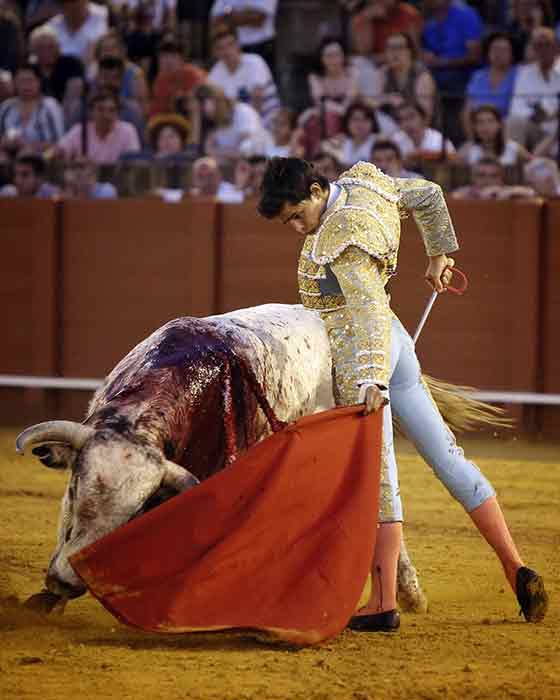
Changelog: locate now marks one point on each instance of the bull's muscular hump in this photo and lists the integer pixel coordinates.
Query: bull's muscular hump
(194, 387)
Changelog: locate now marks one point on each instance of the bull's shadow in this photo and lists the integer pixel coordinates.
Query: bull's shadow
(194, 641)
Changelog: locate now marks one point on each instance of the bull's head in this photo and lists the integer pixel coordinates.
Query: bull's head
(112, 479)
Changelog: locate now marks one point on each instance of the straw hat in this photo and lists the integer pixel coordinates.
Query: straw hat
(156, 124)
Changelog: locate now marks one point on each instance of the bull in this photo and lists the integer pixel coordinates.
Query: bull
(178, 408)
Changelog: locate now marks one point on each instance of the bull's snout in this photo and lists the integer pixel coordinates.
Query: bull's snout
(62, 588)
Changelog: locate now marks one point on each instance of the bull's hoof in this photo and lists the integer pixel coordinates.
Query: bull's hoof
(45, 602)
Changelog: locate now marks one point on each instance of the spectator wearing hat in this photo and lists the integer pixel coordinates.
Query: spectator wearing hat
(29, 179)
(176, 79)
(80, 182)
(106, 137)
(243, 76)
(29, 119)
(168, 135)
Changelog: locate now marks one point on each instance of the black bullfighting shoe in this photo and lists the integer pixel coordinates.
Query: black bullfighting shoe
(531, 595)
(388, 621)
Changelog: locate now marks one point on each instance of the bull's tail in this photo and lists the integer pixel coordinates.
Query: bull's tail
(460, 411)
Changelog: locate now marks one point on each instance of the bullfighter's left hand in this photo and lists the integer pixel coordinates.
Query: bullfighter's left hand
(439, 272)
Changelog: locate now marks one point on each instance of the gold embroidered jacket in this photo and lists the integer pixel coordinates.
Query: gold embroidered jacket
(346, 263)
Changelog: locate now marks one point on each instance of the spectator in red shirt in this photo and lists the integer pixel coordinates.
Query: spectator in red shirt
(176, 79)
(372, 26)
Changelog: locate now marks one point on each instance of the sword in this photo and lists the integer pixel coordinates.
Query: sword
(431, 301)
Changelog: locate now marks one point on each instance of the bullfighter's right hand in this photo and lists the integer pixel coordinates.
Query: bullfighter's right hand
(375, 399)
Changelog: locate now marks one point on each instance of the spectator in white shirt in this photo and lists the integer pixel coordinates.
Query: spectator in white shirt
(489, 139)
(231, 128)
(255, 22)
(361, 126)
(416, 139)
(534, 106)
(78, 27)
(243, 76)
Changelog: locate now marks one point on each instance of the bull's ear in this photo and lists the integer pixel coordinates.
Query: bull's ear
(55, 455)
(176, 477)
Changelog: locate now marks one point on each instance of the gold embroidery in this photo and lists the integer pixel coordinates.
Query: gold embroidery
(426, 201)
(359, 238)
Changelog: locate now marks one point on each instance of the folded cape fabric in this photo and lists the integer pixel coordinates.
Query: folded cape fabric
(280, 542)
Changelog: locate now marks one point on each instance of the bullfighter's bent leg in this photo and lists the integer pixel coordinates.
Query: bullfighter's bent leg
(380, 612)
(421, 421)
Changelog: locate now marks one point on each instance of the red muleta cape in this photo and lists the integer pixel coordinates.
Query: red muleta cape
(280, 542)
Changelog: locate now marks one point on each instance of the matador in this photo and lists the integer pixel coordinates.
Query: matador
(352, 229)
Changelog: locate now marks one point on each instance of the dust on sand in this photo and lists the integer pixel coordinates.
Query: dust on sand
(472, 643)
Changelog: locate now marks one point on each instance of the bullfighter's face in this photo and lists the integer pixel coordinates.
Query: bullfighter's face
(304, 217)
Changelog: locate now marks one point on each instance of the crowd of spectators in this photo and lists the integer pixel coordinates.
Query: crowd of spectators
(205, 85)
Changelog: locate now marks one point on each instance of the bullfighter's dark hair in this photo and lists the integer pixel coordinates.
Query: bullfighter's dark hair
(287, 181)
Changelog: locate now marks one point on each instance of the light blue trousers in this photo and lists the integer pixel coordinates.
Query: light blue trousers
(422, 423)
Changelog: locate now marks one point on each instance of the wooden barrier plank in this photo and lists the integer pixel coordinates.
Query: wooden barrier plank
(258, 259)
(28, 289)
(128, 267)
(549, 416)
(488, 337)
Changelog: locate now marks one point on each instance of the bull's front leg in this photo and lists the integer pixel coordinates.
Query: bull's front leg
(410, 595)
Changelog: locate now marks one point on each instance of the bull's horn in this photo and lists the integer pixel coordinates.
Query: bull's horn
(74, 434)
(178, 477)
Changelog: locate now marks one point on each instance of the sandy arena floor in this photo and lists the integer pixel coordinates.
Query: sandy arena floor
(471, 644)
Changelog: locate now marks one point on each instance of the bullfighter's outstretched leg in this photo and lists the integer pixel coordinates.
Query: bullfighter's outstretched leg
(421, 421)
